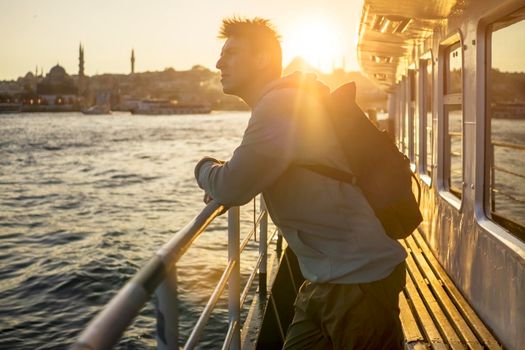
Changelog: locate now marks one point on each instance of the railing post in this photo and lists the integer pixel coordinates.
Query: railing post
(234, 288)
(279, 244)
(167, 313)
(263, 247)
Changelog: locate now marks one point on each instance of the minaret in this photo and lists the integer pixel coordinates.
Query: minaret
(132, 61)
(81, 61)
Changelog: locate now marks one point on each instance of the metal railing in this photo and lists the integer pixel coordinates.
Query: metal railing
(159, 276)
(513, 223)
(494, 168)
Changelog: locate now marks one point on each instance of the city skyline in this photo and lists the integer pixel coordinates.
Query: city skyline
(164, 34)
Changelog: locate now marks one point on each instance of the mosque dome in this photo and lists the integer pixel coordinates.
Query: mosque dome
(57, 82)
(57, 71)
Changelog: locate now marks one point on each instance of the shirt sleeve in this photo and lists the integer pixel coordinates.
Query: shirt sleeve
(266, 151)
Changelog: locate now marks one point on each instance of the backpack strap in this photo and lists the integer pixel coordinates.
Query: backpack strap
(344, 94)
(330, 172)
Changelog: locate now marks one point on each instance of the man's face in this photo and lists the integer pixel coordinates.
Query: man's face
(237, 65)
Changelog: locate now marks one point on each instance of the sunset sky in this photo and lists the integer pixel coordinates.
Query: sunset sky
(164, 33)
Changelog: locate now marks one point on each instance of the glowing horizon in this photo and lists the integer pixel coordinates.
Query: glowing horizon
(316, 40)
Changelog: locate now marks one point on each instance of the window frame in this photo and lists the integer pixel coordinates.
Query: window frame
(483, 222)
(425, 169)
(444, 100)
(412, 111)
(487, 134)
(401, 110)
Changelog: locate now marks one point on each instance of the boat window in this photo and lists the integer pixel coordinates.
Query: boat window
(453, 73)
(401, 126)
(404, 117)
(453, 117)
(506, 124)
(426, 69)
(397, 116)
(413, 117)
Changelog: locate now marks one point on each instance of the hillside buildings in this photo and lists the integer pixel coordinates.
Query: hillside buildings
(60, 91)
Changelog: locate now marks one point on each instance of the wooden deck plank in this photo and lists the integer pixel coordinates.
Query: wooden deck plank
(433, 306)
(429, 328)
(461, 303)
(408, 322)
(453, 314)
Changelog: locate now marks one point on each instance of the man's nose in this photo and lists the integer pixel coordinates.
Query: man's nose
(218, 65)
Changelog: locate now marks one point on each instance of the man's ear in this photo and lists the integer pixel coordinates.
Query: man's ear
(262, 60)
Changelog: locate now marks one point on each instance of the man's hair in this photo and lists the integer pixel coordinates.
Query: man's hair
(260, 34)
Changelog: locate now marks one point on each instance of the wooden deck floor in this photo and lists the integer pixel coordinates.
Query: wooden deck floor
(434, 314)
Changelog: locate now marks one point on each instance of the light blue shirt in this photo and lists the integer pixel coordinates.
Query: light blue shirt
(328, 224)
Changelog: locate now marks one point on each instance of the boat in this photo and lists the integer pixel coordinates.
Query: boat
(6, 108)
(167, 107)
(97, 110)
(444, 66)
(466, 261)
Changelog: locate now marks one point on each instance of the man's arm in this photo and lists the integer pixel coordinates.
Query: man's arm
(265, 152)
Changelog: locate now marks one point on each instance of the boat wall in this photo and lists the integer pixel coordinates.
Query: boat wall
(485, 261)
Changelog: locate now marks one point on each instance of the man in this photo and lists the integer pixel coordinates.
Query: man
(354, 271)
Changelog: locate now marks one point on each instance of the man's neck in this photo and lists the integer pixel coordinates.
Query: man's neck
(259, 87)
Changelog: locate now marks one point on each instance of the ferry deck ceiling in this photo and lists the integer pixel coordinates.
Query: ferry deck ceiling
(389, 30)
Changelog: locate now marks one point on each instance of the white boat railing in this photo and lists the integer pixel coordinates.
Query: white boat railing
(159, 276)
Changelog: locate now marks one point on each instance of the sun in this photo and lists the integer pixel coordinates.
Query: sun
(315, 40)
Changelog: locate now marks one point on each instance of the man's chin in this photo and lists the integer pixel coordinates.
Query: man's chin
(228, 90)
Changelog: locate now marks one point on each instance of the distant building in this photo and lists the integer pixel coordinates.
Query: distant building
(132, 61)
(81, 62)
(28, 82)
(11, 87)
(58, 88)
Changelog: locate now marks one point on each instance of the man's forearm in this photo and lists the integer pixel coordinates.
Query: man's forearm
(237, 181)
(265, 152)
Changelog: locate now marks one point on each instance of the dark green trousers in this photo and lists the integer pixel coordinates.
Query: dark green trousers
(348, 316)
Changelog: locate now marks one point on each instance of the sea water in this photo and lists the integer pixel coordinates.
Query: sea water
(85, 201)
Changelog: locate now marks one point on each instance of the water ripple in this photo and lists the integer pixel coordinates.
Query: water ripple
(85, 201)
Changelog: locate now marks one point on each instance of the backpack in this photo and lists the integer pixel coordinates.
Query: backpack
(380, 170)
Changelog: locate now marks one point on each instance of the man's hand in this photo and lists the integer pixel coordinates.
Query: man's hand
(207, 199)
